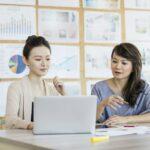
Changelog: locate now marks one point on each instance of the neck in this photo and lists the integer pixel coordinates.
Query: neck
(119, 83)
(34, 78)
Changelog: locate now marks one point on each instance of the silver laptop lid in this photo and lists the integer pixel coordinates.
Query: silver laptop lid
(64, 114)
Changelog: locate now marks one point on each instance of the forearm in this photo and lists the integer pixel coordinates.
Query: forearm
(139, 118)
(100, 109)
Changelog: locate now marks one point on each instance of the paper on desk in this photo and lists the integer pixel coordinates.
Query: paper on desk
(122, 131)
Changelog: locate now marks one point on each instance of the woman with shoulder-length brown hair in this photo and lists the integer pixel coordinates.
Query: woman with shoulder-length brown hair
(125, 98)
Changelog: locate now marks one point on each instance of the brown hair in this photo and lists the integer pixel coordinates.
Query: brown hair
(135, 84)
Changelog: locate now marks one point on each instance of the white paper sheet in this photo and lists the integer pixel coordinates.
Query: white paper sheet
(122, 131)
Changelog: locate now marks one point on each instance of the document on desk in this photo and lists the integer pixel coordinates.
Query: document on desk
(122, 130)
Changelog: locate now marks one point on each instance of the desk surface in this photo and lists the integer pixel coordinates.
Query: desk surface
(73, 141)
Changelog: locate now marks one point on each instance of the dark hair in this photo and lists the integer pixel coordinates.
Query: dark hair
(135, 84)
(34, 41)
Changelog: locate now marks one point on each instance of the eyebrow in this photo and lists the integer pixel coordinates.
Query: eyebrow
(41, 56)
(121, 60)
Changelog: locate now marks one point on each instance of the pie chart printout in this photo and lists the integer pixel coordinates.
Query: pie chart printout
(16, 64)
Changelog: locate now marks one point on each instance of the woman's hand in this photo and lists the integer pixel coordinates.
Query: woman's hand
(113, 101)
(59, 86)
(30, 126)
(114, 120)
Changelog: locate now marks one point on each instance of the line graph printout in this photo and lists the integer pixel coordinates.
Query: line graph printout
(16, 22)
(95, 64)
(102, 27)
(64, 62)
(11, 63)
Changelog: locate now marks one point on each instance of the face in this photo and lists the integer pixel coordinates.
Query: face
(121, 67)
(39, 61)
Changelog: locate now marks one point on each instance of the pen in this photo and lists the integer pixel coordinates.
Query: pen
(129, 126)
(99, 139)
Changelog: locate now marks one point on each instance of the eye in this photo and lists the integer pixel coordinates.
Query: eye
(114, 61)
(38, 59)
(124, 63)
(47, 59)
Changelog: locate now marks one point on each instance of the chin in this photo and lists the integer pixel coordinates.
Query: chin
(118, 77)
(42, 74)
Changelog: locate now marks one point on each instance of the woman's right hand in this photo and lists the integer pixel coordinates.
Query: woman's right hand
(30, 126)
(114, 102)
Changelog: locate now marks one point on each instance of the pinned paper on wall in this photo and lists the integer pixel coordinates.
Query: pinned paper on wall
(59, 3)
(11, 62)
(95, 64)
(59, 25)
(89, 85)
(17, 22)
(102, 27)
(137, 4)
(138, 26)
(64, 62)
(144, 48)
(18, 2)
(102, 4)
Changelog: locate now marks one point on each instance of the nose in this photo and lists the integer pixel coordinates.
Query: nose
(43, 63)
(118, 65)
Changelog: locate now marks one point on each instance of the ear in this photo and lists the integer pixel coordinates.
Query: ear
(25, 61)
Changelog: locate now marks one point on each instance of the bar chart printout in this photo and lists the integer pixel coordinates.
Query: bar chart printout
(17, 22)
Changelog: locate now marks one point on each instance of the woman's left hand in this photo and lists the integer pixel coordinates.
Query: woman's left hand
(59, 86)
(114, 120)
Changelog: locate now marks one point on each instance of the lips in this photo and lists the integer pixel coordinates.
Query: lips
(43, 70)
(116, 72)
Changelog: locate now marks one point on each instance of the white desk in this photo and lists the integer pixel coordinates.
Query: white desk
(25, 140)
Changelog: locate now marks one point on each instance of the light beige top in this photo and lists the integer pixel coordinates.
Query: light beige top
(19, 102)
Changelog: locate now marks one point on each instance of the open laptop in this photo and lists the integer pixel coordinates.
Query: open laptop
(64, 114)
